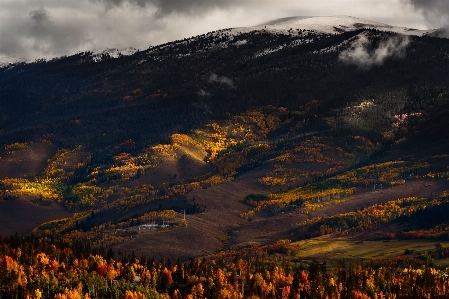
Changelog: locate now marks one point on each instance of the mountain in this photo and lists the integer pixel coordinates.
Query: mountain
(332, 24)
(324, 128)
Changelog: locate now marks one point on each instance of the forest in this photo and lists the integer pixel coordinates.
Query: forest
(42, 268)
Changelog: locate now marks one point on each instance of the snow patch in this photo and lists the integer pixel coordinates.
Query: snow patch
(113, 53)
(268, 51)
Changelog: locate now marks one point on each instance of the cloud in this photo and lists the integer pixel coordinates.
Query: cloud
(222, 80)
(361, 53)
(166, 7)
(37, 33)
(28, 32)
(39, 16)
(436, 13)
(49, 28)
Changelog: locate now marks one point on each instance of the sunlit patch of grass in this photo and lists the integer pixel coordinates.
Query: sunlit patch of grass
(328, 248)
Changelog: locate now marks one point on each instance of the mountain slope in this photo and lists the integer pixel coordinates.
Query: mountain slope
(255, 133)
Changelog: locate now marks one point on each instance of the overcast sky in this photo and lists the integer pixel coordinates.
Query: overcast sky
(30, 29)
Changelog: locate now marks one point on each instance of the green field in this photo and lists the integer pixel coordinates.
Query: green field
(350, 249)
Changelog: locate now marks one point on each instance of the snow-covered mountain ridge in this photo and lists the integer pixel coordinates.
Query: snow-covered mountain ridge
(293, 26)
(328, 25)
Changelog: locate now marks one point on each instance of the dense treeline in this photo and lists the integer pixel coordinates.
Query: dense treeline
(43, 268)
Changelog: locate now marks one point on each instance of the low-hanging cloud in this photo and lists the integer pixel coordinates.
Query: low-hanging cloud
(361, 54)
(436, 13)
(223, 80)
(203, 93)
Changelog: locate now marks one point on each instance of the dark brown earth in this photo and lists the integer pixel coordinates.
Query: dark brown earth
(21, 216)
(26, 163)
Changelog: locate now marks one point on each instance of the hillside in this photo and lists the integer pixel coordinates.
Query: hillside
(296, 129)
